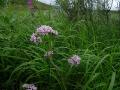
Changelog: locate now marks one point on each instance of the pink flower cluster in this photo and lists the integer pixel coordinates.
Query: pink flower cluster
(34, 38)
(29, 87)
(41, 31)
(75, 59)
(45, 30)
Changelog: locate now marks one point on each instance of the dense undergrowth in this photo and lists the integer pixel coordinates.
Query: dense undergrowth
(21, 61)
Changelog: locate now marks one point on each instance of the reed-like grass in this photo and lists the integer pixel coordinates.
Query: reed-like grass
(23, 62)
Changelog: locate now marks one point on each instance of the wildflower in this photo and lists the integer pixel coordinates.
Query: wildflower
(34, 38)
(44, 30)
(48, 54)
(75, 59)
(29, 87)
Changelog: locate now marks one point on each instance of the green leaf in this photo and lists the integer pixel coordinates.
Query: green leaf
(112, 81)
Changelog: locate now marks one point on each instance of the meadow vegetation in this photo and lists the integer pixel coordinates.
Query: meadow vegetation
(96, 41)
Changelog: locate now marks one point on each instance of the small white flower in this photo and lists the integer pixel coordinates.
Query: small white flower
(55, 32)
(29, 87)
(48, 54)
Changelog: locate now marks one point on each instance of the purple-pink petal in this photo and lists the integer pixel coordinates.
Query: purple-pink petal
(75, 59)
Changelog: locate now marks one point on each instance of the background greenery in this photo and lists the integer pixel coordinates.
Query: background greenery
(96, 42)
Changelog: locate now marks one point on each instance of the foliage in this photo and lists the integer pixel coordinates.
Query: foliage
(22, 61)
(85, 9)
(3, 3)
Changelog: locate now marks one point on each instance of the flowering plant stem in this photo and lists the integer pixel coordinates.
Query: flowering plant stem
(49, 59)
(48, 62)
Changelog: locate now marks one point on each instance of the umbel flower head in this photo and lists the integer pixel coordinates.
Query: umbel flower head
(41, 31)
(48, 54)
(45, 30)
(29, 87)
(75, 59)
(34, 38)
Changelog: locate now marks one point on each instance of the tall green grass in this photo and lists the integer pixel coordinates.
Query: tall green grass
(23, 62)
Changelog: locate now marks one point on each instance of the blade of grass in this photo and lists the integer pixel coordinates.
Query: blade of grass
(112, 81)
